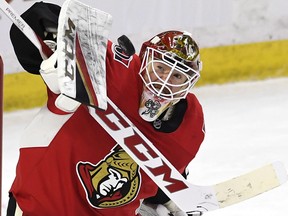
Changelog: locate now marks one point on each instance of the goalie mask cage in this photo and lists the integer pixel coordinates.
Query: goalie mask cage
(1, 127)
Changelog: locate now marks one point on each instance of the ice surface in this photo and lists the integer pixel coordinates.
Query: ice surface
(246, 125)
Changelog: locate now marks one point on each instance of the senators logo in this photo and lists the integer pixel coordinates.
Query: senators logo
(113, 182)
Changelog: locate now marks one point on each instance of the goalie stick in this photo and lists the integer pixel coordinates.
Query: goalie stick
(189, 197)
(44, 50)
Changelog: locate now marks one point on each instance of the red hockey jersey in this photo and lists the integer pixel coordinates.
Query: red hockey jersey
(70, 166)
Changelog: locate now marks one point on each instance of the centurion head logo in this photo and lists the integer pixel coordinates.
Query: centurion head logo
(113, 182)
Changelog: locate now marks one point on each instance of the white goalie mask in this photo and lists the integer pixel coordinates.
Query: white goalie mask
(170, 68)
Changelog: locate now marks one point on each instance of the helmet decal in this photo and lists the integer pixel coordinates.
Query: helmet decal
(179, 44)
(184, 47)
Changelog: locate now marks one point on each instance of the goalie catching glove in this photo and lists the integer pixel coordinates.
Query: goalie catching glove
(48, 72)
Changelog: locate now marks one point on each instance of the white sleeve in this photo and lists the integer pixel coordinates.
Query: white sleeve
(37, 134)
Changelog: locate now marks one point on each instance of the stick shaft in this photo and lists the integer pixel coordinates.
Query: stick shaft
(23, 26)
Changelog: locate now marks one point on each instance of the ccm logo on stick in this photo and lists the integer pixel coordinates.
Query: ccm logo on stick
(134, 144)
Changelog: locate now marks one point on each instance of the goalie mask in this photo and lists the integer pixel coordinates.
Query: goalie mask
(170, 67)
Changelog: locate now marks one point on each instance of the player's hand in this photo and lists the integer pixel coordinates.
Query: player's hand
(148, 209)
(168, 209)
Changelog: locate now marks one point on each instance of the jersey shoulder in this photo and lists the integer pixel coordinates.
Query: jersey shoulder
(193, 101)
